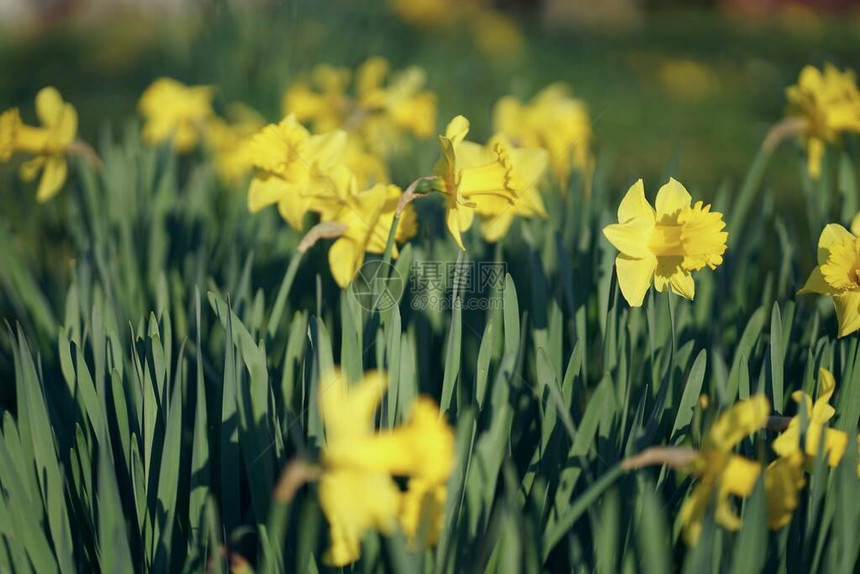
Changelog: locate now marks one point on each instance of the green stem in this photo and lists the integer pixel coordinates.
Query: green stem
(281, 300)
(578, 508)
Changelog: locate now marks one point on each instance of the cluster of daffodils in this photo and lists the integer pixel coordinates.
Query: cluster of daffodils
(378, 108)
(554, 121)
(722, 475)
(826, 105)
(357, 490)
(183, 117)
(48, 145)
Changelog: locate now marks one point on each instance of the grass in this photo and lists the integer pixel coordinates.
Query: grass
(148, 409)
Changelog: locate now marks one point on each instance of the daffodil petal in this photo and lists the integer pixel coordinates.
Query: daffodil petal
(739, 476)
(847, 312)
(49, 106)
(634, 277)
(671, 198)
(634, 205)
(816, 284)
(53, 178)
(345, 257)
(631, 238)
(832, 233)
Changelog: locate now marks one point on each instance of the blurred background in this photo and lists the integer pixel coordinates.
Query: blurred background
(689, 84)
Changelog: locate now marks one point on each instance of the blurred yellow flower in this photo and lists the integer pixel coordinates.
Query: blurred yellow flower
(320, 101)
(722, 473)
(837, 275)
(796, 440)
(829, 102)
(783, 479)
(175, 112)
(664, 245)
(497, 35)
(378, 112)
(297, 171)
(687, 80)
(368, 168)
(228, 141)
(475, 179)
(368, 216)
(356, 459)
(48, 143)
(530, 166)
(554, 121)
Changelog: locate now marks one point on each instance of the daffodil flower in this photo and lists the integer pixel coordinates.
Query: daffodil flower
(377, 112)
(298, 171)
(722, 473)
(816, 435)
(554, 121)
(48, 143)
(829, 103)
(530, 165)
(665, 243)
(357, 459)
(783, 480)
(228, 141)
(475, 180)
(175, 112)
(368, 217)
(837, 275)
(321, 100)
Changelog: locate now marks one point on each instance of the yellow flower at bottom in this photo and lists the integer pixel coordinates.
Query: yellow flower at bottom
(665, 243)
(721, 473)
(48, 143)
(357, 491)
(355, 502)
(783, 479)
(837, 275)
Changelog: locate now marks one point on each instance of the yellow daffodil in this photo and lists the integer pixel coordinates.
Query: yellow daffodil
(356, 459)
(829, 103)
(817, 435)
(482, 181)
(783, 479)
(554, 121)
(837, 275)
(48, 143)
(664, 245)
(687, 80)
(497, 35)
(175, 112)
(297, 171)
(382, 107)
(720, 472)
(321, 100)
(368, 168)
(228, 141)
(368, 216)
(530, 166)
